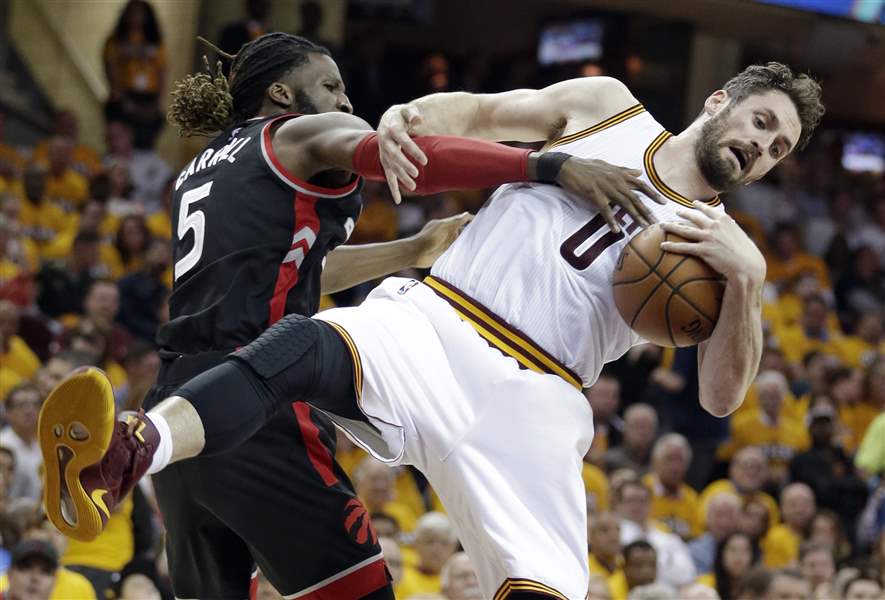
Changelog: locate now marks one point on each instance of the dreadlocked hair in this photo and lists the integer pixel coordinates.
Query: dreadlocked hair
(205, 103)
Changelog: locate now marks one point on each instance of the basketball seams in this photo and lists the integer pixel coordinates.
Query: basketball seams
(663, 280)
(675, 290)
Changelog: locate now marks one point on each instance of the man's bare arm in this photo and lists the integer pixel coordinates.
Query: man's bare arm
(729, 360)
(347, 266)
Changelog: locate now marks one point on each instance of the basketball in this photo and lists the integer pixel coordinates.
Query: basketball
(669, 299)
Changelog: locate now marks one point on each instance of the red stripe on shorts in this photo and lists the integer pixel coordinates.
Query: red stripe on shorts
(319, 455)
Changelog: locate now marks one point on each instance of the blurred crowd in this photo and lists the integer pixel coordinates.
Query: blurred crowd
(786, 496)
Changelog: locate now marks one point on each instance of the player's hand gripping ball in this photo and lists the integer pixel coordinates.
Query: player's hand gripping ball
(669, 299)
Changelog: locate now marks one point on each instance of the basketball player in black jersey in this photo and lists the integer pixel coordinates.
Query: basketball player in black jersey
(256, 213)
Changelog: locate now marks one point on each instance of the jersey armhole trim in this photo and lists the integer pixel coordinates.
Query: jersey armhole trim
(277, 168)
(620, 117)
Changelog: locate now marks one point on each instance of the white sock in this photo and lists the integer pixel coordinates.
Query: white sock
(164, 449)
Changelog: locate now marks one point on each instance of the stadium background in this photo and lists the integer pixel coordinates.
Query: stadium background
(85, 166)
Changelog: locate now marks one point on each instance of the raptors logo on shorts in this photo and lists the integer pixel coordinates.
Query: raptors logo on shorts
(357, 523)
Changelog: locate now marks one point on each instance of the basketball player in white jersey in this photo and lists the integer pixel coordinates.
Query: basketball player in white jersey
(474, 376)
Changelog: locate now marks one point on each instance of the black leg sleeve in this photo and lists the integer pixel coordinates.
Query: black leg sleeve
(296, 359)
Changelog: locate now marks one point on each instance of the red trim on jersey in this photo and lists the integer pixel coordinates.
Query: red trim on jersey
(287, 274)
(300, 184)
(357, 584)
(253, 586)
(319, 455)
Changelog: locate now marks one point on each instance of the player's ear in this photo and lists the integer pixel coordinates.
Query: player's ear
(714, 102)
(281, 94)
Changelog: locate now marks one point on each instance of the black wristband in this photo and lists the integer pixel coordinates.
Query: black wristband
(549, 164)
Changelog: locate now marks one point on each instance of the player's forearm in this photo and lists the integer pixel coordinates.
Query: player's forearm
(729, 360)
(456, 163)
(447, 113)
(347, 266)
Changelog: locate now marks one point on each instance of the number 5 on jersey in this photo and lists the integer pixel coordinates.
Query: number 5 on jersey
(195, 222)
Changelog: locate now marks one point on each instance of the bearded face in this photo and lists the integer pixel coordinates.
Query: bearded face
(715, 165)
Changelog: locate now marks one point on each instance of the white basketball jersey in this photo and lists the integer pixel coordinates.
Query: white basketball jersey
(543, 260)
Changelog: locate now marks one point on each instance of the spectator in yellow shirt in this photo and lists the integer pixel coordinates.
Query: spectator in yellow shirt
(604, 537)
(65, 187)
(374, 484)
(746, 475)
(640, 568)
(84, 159)
(779, 437)
(92, 219)
(787, 261)
(458, 579)
(41, 219)
(33, 572)
(813, 332)
(672, 501)
(435, 542)
(15, 354)
(69, 585)
(780, 547)
(861, 349)
(855, 415)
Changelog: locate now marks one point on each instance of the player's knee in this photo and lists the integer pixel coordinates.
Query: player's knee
(280, 347)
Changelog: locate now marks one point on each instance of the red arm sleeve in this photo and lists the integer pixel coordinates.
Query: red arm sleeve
(453, 163)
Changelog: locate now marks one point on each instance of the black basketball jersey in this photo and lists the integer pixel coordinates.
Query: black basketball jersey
(249, 241)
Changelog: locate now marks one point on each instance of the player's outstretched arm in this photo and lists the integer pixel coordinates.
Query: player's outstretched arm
(729, 360)
(339, 142)
(523, 115)
(351, 265)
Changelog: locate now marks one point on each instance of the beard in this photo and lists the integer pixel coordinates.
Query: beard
(716, 169)
(304, 105)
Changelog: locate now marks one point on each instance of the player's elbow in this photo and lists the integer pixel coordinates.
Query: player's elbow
(719, 403)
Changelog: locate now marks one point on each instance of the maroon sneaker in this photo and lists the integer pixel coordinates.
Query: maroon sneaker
(91, 460)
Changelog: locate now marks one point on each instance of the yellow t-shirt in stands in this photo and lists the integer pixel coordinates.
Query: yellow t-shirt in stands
(855, 419)
(405, 517)
(20, 358)
(159, 225)
(69, 190)
(801, 264)
(617, 585)
(8, 380)
(45, 221)
(725, 485)
(112, 549)
(596, 566)
(679, 512)
(795, 344)
(780, 547)
(415, 582)
(780, 441)
(69, 585)
(84, 159)
(794, 408)
(596, 485)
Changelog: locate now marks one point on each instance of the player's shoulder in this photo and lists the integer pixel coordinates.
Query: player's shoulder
(305, 126)
(596, 98)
